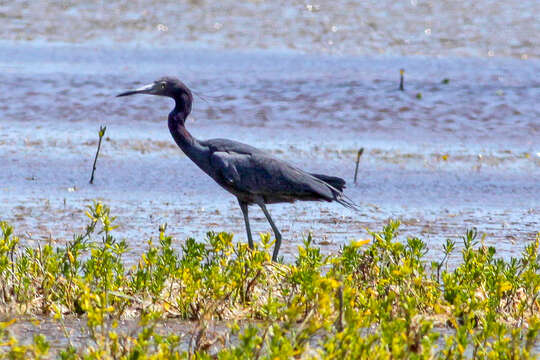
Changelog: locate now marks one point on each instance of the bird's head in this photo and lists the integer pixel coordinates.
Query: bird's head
(169, 87)
(166, 86)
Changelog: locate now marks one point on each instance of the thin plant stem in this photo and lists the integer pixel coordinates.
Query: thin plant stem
(102, 130)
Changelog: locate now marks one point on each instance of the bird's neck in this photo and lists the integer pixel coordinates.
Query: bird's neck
(178, 130)
(189, 145)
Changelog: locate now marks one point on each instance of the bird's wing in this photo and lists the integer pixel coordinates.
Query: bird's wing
(230, 146)
(260, 174)
(252, 171)
(223, 162)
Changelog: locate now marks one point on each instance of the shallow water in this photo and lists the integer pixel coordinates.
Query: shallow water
(412, 27)
(464, 155)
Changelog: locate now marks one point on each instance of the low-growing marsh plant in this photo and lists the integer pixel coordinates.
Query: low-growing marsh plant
(378, 298)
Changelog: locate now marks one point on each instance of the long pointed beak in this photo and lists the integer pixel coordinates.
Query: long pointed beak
(146, 89)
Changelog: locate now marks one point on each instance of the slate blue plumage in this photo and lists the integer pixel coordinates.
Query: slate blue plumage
(252, 175)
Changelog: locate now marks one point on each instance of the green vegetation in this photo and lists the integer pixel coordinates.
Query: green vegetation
(376, 299)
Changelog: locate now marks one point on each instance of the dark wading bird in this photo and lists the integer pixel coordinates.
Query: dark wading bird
(250, 174)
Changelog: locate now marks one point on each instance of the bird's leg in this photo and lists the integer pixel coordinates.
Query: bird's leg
(274, 228)
(244, 208)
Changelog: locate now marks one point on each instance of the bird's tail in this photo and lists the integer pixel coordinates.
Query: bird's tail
(345, 201)
(333, 181)
(337, 185)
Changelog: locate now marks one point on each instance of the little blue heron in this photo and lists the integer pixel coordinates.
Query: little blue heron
(250, 174)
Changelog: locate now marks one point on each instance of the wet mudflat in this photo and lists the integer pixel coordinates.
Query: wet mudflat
(414, 27)
(466, 154)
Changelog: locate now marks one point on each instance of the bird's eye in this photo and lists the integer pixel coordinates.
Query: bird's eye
(163, 86)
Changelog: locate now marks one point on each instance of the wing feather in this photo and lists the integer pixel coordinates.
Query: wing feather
(251, 171)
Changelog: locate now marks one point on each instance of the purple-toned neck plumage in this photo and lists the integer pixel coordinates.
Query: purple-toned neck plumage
(180, 93)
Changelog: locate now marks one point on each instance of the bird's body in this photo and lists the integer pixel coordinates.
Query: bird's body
(252, 175)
